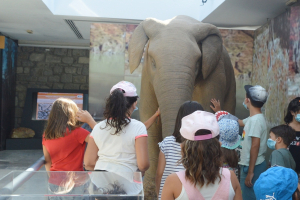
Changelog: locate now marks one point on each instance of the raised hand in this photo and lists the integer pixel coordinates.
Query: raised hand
(216, 105)
(157, 112)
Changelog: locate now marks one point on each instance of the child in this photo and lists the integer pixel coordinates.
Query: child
(292, 119)
(254, 139)
(230, 139)
(277, 183)
(203, 177)
(118, 144)
(64, 142)
(280, 138)
(170, 151)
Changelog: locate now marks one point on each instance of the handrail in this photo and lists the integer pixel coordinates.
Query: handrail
(22, 178)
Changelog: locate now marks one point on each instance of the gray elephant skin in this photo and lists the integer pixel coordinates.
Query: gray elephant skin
(184, 60)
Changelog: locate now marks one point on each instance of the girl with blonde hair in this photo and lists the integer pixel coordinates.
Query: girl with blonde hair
(64, 140)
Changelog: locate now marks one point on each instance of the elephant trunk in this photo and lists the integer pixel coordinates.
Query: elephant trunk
(171, 93)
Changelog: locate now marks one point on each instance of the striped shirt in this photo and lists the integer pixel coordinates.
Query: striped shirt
(172, 151)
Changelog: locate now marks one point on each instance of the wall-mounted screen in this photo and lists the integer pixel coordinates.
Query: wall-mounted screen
(45, 100)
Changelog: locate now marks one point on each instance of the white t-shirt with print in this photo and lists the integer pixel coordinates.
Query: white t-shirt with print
(117, 152)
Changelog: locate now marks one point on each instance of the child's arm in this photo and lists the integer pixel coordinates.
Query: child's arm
(142, 156)
(172, 187)
(85, 116)
(91, 154)
(241, 123)
(236, 186)
(151, 120)
(277, 159)
(48, 161)
(253, 156)
(160, 170)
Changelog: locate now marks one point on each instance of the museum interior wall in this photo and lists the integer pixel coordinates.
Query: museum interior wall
(268, 56)
(49, 68)
(8, 57)
(57, 68)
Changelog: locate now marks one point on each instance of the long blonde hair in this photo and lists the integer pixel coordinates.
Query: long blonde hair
(62, 117)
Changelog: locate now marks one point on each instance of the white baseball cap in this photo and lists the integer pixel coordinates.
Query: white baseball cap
(128, 88)
(256, 93)
(199, 120)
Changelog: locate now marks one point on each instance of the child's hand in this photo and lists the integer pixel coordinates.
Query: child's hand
(157, 112)
(248, 180)
(84, 116)
(216, 105)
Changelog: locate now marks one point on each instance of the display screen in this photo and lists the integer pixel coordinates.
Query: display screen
(46, 99)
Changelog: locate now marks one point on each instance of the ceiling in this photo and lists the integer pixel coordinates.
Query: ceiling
(17, 16)
(235, 13)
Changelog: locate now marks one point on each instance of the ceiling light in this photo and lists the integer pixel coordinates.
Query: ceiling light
(29, 31)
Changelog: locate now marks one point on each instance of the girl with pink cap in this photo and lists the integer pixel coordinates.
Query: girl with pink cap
(117, 144)
(203, 177)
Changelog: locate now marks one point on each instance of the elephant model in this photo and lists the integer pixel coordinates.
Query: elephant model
(184, 60)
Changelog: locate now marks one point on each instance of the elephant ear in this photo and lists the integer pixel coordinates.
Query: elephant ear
(210, 41)
(145, 30)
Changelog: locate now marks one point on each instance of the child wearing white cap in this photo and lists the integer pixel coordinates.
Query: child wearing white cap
(118, 144)
(203, 177)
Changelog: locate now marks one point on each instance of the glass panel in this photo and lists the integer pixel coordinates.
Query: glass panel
(107, 60)
(71, 185)
(136, 80)
(109, 63)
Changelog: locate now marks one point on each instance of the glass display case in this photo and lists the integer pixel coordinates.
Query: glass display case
(98, 185)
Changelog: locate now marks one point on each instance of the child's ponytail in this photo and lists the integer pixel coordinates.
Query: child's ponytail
(116, 110)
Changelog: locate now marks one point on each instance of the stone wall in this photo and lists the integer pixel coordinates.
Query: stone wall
(50, 68)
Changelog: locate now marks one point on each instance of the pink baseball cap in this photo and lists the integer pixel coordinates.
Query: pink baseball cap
(199, 120)
(127, 87)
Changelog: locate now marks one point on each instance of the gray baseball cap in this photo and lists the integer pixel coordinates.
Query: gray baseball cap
(257, 94)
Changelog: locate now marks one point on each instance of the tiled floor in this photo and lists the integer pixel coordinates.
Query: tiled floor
(18, 160)
(12, 160)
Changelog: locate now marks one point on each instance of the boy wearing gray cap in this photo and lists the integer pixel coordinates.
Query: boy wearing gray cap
(254, 140)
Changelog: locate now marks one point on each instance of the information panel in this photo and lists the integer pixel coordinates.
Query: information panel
(46, 99)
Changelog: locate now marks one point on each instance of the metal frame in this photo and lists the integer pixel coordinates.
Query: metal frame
(22, 178)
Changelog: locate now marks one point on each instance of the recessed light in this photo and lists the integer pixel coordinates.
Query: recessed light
(29, 31)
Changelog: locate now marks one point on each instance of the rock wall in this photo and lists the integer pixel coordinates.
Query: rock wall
(51, 68)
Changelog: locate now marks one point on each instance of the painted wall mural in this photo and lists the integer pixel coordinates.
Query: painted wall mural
(293, 81)
(239, 44)
(276, 62)
(109, 62)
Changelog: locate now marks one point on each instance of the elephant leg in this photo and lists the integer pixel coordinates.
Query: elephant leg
(214, 86)
(148, 106)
